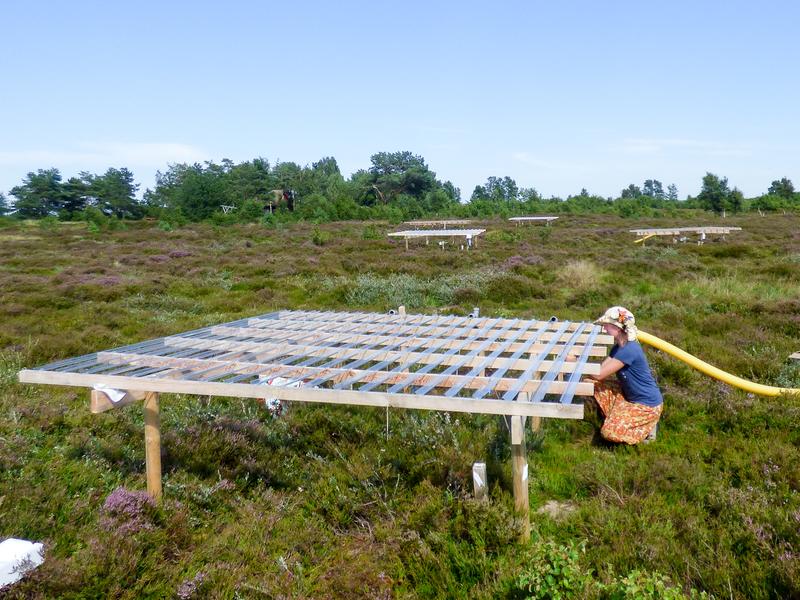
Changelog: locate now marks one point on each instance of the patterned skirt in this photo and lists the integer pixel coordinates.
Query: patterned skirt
(626, 422)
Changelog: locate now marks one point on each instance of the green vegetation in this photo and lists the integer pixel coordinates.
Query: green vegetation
(321, 502)
(397, 186)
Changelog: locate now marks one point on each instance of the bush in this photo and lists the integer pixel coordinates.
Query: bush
(554, 572)
(319, 237)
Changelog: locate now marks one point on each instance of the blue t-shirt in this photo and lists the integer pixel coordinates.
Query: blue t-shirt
(635, 378)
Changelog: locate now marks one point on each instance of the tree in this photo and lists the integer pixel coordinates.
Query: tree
(783, 188)
(396, 173)
(114, 193)
(39, 195)
(632, 191)
(736, 200)
(672, 192)
(715, 194)
(497, 189)
(252, 180)
(75, 193)
(4, 208)
(653, 189)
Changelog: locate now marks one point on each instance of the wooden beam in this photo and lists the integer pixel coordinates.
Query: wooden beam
(353, 397)
(264, 371)
(795, 356)
(100, 402)
(152, 445)
(519, 472)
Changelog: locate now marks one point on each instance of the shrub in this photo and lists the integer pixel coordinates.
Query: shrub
(319, 237)
(370, 233)
(554, 572)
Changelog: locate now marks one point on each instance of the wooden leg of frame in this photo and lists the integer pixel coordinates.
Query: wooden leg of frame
(152, 445)
(519, 471)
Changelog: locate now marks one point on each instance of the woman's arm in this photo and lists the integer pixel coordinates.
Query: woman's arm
(608, 367)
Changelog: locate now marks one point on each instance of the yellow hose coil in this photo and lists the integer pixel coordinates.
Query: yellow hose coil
(712, 371)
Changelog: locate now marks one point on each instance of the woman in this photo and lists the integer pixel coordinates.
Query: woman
(631, 405)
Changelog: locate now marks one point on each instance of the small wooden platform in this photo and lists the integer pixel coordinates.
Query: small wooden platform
(512, 367)
(470, 235)
(451, 363)
(680, 233)
(444, 224)
(520, 220)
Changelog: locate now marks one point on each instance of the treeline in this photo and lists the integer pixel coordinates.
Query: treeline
(396, 186)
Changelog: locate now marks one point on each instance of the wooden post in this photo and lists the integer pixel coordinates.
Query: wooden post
(152, 445)
(406, 243)
(479, 481)
(519, 472)
(401, 310)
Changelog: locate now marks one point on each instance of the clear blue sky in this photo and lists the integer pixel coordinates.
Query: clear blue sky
(559, 97)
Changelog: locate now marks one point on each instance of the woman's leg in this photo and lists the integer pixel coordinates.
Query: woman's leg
(607, 394)
(630, 423)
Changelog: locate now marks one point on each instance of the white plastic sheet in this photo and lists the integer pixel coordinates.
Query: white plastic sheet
(18, 557)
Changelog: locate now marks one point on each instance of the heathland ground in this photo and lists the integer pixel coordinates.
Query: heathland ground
(320, 502)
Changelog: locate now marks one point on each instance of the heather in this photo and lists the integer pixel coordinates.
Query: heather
(326, 501)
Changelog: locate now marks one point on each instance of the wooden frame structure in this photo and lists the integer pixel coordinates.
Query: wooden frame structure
(484, 365)
(678, 233)
(444, 223)
(521, 220)
(470, 235)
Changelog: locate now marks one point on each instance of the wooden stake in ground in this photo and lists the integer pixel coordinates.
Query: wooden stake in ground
(152, 445)
(479, 480)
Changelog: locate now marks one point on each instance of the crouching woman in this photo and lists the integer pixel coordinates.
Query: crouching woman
(632, 404)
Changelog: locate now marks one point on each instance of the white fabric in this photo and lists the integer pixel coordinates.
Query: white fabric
(113, 395)
(17, 557)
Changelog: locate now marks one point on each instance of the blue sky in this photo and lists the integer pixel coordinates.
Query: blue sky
(559, 97)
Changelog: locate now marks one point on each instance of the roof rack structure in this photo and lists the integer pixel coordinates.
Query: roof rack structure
(513, 367)
(470, 235)
(520, 220)
(680, 233)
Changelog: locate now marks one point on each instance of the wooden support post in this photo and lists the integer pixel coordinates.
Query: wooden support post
(519, 471)
(406, 244)
(479, 481)
(152, 445)
(401, 310)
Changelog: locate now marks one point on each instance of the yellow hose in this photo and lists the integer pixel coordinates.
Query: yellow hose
(642, 239)
(712, 371)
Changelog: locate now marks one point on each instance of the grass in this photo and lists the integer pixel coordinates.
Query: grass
(321, 502)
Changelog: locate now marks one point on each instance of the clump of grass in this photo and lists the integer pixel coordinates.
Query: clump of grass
(580, 275)
(320, 237)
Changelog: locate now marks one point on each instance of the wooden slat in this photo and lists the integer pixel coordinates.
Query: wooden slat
(602, 340)
(359, 376)
(239, 390)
